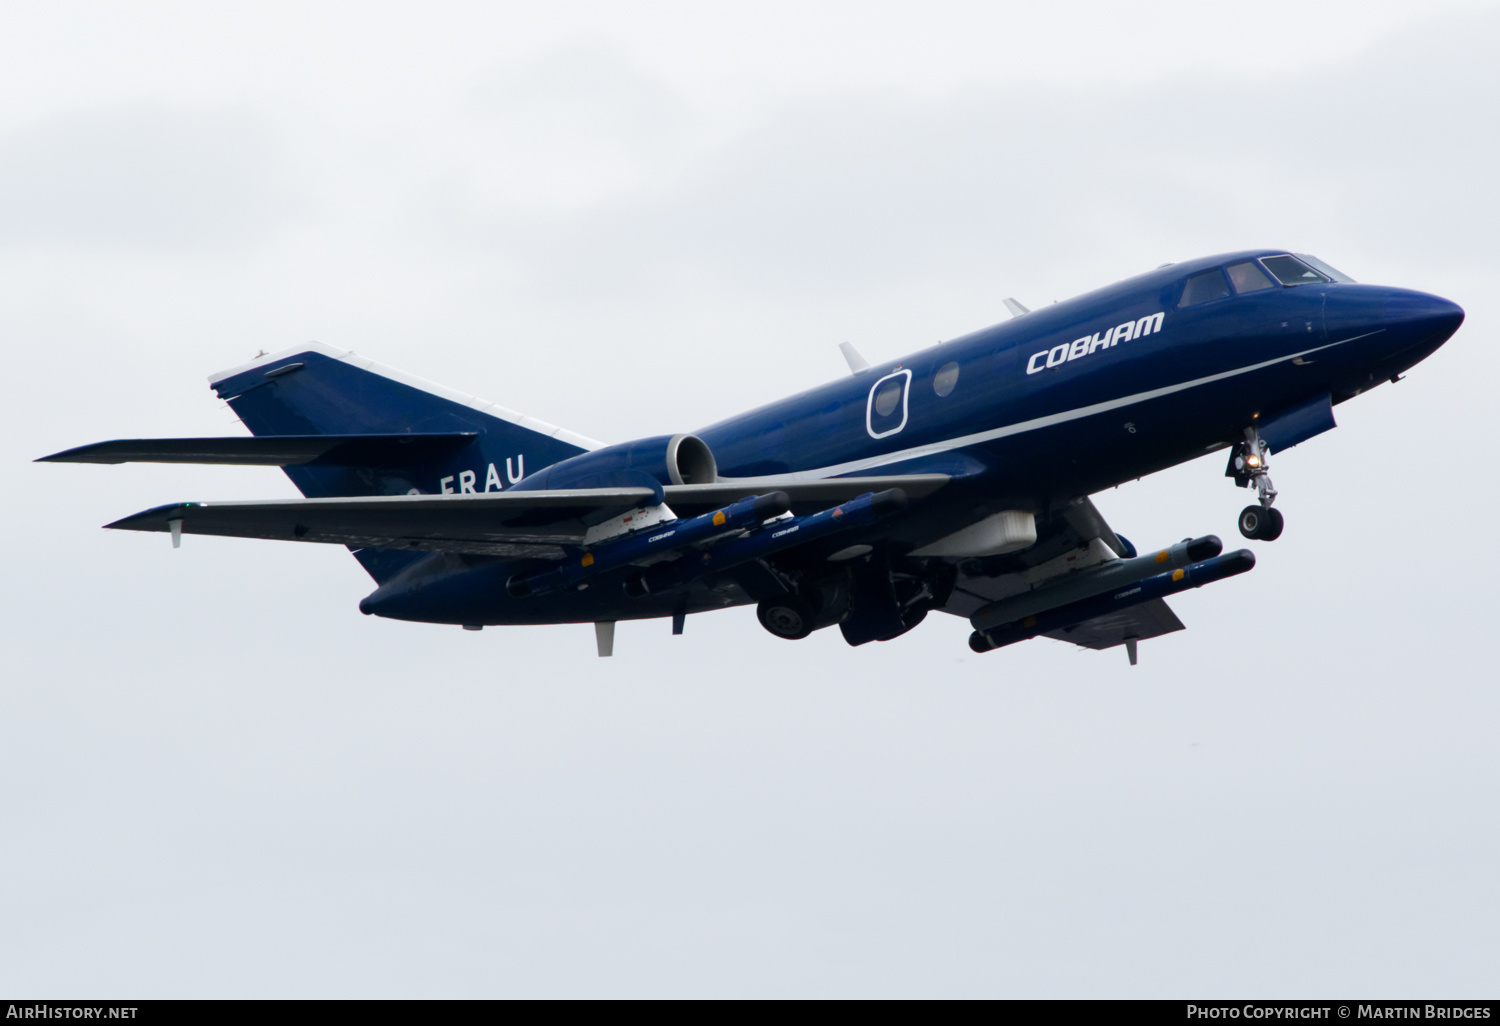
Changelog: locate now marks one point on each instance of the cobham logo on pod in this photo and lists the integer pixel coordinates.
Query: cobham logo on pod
(1078, 348)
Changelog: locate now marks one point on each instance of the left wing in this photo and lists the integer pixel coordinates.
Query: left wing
(510, 524)
(513, 523)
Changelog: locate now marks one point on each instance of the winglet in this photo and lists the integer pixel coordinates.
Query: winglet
(857, 363)
(1016, 309)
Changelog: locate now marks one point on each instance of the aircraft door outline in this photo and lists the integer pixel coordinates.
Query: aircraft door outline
(881, 414)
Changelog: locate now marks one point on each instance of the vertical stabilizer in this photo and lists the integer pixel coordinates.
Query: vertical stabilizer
(318, 390)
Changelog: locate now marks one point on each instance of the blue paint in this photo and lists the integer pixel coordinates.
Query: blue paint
(1061, 402)
(1296, 425)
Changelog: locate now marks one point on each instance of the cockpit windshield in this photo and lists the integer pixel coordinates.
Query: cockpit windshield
(1289, 270)
(1333, 273)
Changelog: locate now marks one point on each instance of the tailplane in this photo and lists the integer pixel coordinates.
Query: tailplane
(453, 442)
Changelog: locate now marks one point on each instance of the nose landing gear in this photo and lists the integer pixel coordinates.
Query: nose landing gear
(1249, 464)
(1261, 522)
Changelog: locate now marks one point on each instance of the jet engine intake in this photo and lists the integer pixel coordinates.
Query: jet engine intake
(662, 460)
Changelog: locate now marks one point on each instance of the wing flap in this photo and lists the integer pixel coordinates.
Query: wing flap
(381, 450)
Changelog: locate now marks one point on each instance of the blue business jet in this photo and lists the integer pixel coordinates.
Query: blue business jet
(957, 478)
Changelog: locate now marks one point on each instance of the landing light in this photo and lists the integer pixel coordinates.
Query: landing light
(1252, 461)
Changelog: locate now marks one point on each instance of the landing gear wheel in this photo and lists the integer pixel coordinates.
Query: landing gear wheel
(1261, 523)
(1274, 522)
(1252, 519)
(788, 618)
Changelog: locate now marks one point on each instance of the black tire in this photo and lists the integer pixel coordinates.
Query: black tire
(1273, 525)
(1253, 522)
(789, 618)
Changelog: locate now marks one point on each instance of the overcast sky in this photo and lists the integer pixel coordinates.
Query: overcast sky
(218, 779)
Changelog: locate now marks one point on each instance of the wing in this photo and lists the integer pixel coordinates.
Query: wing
(1074, 538)
(1148, 620)
(507, 524)
(516, 523)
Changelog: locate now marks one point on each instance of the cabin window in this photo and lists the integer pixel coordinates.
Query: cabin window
(1204, 288)
(946, 378)
(1248, 277)
(1291, 271)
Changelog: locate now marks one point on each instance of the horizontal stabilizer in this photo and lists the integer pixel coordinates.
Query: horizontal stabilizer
(508, 524)
(383, 450)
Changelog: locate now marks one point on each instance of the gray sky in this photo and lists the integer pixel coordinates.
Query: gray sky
(217, 778)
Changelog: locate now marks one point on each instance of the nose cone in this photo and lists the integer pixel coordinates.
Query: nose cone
(1399, 326)
(1421, 318)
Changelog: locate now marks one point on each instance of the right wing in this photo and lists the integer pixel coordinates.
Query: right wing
(1072, 539)
(1147, 620)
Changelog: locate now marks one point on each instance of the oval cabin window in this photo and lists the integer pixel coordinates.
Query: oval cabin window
(946, 378)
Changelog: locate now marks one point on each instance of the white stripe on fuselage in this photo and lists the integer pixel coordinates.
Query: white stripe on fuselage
(1035, 424)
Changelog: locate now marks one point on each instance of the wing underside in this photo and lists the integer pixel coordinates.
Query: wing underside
(1068, 540)
(1138, 623)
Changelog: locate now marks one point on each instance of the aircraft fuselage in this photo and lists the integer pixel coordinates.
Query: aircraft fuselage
(1061, 402)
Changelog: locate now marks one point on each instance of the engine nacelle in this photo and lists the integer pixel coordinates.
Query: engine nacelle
(652, 462)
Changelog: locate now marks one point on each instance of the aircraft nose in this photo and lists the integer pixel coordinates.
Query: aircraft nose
(1421, 317)
(1390, 321)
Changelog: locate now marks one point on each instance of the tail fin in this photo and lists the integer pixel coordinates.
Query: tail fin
(319, 390)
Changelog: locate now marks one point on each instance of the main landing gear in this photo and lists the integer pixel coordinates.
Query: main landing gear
(790, 618)
(1249, 464)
